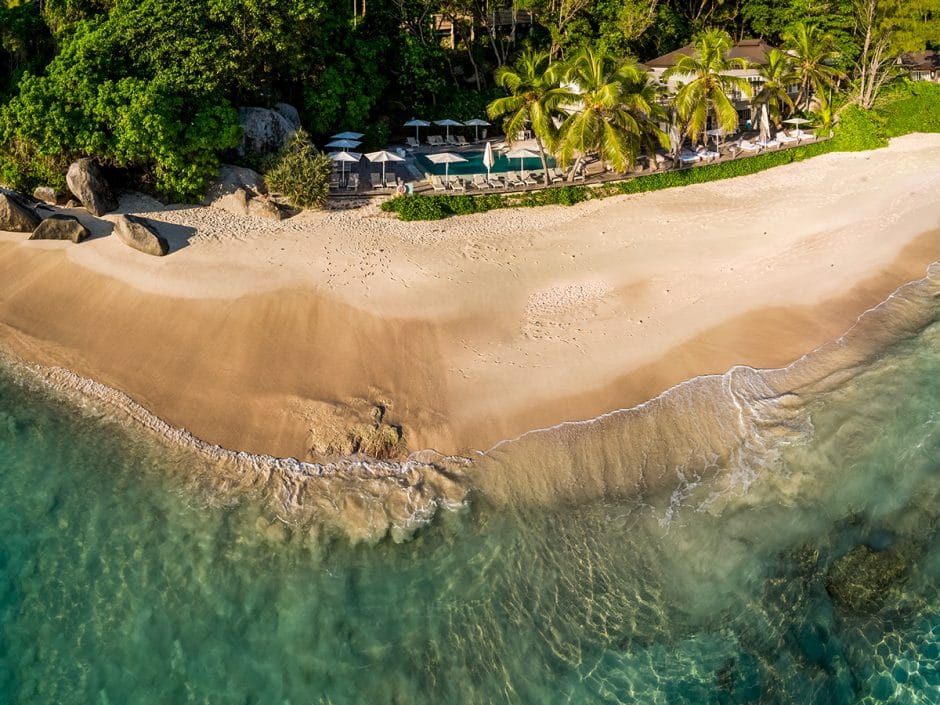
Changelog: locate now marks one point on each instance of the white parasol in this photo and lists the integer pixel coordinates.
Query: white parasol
(447, 124)
(476, 124)
(345, 158)
(488, 159)
(521, 154)
(383, 156)
(798, 121)
(343, 143)
(445, 158)
(417, 123)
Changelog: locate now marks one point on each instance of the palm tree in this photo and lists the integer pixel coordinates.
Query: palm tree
(617, 112)
(708, 83)
(778, 76)
(535, 98)
(813, 52)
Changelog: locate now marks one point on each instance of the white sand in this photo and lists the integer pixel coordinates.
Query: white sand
(480, 327)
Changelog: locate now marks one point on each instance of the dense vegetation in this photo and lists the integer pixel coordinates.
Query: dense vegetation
(151, 86)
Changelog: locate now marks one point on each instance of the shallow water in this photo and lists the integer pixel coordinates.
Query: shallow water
(123, 580)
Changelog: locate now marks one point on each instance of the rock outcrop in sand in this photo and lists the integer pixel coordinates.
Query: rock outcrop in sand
(60, 227)
(86, 181)
(16, 216)
(49, 195)
(242, 191)
(359, 427)
(139, 233)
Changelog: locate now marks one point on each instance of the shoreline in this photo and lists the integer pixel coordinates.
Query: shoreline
(466, 335)
(367, 499)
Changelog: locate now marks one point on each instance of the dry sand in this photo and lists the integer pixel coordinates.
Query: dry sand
(474, 329)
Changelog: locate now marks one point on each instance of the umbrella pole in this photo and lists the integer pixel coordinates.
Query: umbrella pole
(383, 173)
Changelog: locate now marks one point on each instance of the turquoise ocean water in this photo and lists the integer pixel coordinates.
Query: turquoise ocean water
(797, 563)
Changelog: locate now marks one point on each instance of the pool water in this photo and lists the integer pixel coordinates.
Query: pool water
(474, 164)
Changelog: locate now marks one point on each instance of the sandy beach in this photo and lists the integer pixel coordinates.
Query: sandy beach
(261, 336)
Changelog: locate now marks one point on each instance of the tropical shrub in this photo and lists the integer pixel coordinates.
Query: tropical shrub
(858, 130)
(911, 106)
(300, 173)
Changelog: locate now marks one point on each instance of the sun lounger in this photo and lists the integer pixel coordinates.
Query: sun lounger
(555, 175)
(457, 184)
(376, 180)
(412, 142)
(460, 141)
(450, 139)
(498, 182)
(435, 140)
(353, 183)
(748, 146)
(479, 181)
(784, 138)
(769, 144)
(437, 184)
(687, 156)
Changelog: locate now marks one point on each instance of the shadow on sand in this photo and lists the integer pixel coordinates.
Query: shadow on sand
(177, 236)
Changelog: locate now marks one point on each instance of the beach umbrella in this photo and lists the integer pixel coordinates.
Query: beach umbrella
(347, 136)
(383, 156)
(445, 158)
(675, 140)
(343, 143)
(488, 159)
(716, 133)
(345, 158)
(521, 154)
(798, 121)
(447, 124)
(476, 124)
(764, 123)
(416, 123)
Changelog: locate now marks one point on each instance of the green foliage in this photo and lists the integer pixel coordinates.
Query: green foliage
(25, 42)
(619, 112)
(345, 92)
(910, 106)
(437, 207)
(858, 130)
(772, 19)
(301, 173)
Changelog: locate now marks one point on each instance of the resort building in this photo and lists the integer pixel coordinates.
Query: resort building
(921, 65)
(755, 51)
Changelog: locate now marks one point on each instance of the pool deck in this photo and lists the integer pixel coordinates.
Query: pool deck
(411, 172)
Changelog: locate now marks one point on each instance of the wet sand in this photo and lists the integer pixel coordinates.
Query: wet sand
(472, 330)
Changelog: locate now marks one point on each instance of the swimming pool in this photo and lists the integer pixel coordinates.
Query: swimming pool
(474, 164)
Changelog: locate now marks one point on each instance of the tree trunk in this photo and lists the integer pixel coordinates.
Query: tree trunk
(538, 141)
(574, 168)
